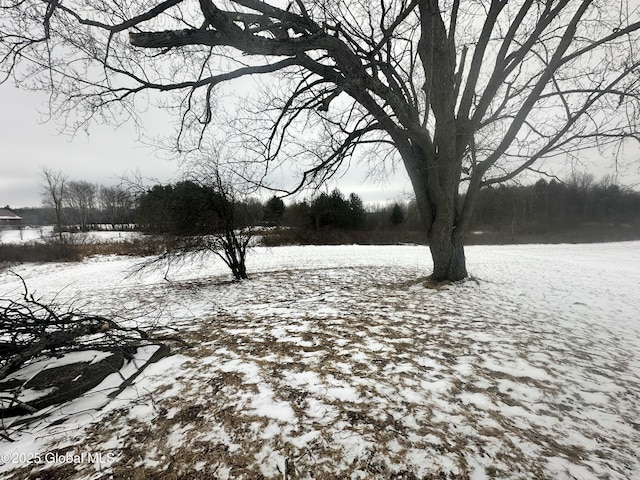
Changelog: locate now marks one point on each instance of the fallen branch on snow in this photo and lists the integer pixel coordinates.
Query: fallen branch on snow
(30, 328)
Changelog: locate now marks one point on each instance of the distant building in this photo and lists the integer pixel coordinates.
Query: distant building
(8, 219)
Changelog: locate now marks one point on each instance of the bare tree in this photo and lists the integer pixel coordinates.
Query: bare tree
(202, 215)
(231, 220)
(81, 200)
(464, 94)
(54, 194)
(233, 234)
(116, 204)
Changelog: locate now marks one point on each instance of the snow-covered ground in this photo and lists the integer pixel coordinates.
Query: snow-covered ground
(31, 235)
(338, 362)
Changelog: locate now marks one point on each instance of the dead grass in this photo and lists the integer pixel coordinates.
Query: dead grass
(381, 383)
(49, 252)
(53, 250)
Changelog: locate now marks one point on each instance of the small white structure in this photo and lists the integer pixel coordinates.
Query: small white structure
(8, 219)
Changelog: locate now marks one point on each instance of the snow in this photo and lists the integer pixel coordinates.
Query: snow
(340, 362)
(38, 365)
(32, 235)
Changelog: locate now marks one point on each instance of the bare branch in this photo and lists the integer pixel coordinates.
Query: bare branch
(490, 88)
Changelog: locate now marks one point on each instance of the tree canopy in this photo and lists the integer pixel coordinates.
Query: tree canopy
(465, 94)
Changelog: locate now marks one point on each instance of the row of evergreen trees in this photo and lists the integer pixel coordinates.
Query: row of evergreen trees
(553, 205)
(188, 208)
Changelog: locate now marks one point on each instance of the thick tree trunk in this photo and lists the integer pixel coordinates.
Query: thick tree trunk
(435, 187)
(447, 252)
(239, 272)
(446, 241)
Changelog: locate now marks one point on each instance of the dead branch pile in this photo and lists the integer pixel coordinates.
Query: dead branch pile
(30, 328)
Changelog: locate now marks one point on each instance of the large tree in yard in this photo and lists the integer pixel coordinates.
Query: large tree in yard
(465, 93)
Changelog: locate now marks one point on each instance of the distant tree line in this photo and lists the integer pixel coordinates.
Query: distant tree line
(107, 207)
(332, 210)
(187, 208)
(82, 205)
(554, 206)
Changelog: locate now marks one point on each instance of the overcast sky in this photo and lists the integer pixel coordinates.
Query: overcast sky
(103, 156)
(107, 154)
(27, 145)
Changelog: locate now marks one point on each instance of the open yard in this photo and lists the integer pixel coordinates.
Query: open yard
(338, 362)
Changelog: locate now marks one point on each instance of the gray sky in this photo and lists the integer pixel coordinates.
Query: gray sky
(27, 145)
(105, 155)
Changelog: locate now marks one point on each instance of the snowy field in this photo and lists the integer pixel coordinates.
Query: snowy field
(338, 362)
(32, 235)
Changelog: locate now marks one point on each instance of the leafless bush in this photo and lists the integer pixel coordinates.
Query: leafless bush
(230, 246)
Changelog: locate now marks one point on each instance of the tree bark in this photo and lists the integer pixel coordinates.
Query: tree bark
(435, 183)
(446, 242)
(447, 252)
